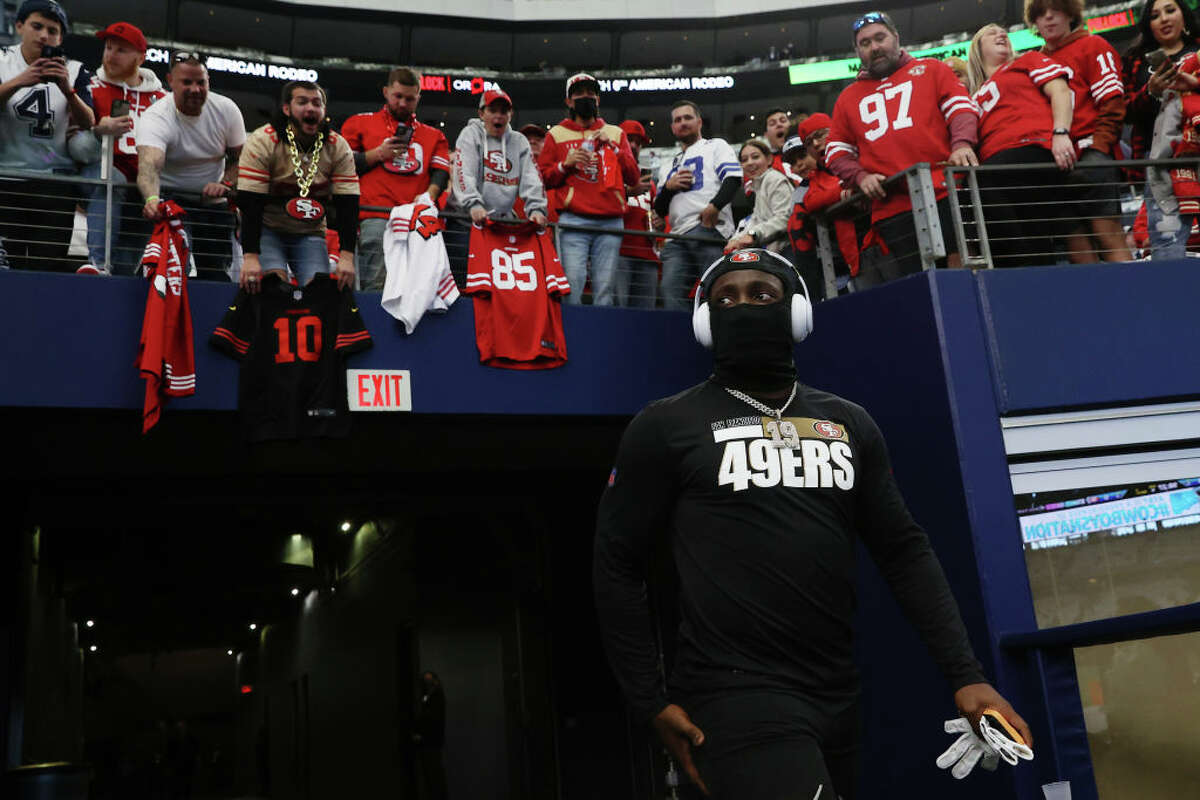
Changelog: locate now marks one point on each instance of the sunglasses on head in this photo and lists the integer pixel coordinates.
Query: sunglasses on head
(870, 19)
(185, 55)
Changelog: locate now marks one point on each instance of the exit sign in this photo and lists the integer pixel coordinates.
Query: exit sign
(379, 390)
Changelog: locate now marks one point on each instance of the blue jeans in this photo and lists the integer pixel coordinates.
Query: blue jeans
(125, 254)
(1166, 244)
(577, 248)
(684, 260)
(637, 282)
(368, 256)
(305, 254)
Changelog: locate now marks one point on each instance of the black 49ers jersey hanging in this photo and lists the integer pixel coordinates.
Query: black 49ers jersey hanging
(293, 345)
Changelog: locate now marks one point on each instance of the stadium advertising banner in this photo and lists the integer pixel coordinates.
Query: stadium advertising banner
(1120, 517)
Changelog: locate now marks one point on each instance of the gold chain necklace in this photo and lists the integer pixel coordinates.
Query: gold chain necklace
(305, 182)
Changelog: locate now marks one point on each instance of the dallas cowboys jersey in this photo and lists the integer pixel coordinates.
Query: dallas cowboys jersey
(33, 125)
(711, 161)
(764, 515)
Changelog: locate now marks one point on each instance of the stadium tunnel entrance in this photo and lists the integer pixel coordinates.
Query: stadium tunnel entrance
(191, 616)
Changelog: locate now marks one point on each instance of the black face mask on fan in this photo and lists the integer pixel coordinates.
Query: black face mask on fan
(586, 107)
(752, 346)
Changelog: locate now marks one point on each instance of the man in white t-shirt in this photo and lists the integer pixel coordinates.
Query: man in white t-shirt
(188, 147)
(694, 193)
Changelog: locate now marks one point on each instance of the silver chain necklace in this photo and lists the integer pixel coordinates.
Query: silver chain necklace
(782, 432)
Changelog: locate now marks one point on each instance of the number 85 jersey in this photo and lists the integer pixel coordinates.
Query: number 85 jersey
(891, 124)
(518, 283)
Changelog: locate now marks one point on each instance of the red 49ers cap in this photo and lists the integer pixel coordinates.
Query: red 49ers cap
(585, 79)
(634, 128)
(130, 34)
(814, 123)
(492, 95)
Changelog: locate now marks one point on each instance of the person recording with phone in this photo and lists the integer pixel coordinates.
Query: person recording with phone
(398, 159)
(121, 90)
(1168, 32)
(42, 93)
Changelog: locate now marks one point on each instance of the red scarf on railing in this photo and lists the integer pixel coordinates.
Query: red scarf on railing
(166, 355)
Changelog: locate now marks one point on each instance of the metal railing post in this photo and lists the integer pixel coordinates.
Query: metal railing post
(985, 246)
(825, 251)
(106, 175)
(925, 214)
(960, 233)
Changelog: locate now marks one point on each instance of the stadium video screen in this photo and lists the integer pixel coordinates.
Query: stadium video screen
(1108, 551)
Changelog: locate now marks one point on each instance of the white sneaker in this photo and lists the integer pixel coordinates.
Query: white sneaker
(91, 269)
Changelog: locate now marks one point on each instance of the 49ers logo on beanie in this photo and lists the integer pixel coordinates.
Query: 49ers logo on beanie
(744, 256)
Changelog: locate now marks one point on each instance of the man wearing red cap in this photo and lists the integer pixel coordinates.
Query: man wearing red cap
(494, 165)
(121, 90)
(589, 163)
(399, 158)
(637, 274)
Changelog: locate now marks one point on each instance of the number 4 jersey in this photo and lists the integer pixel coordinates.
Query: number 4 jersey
(293, 345)
(889, 125)
(33, 123)
(518, 283)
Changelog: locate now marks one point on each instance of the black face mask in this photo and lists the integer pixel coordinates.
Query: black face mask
(586, 107)
(752, 346)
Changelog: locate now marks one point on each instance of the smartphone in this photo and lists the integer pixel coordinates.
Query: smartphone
(120, 108)
(1155, 58)
(53, 51)
(403, 132)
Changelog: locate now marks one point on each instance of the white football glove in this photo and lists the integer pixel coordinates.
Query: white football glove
(1001, 736)
(967, 751)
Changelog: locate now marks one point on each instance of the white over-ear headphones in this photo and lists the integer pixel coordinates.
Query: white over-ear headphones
(802, 323)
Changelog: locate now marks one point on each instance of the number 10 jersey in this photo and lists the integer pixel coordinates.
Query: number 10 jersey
(518, 282)
(293, 345)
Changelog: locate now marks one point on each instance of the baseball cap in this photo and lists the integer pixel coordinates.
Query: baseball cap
(47, 8)
(753, 258)
(792, 144)
(492, 95)
(634, 128)
(582, 77)
(533, 130)
(814, 123)
(130, 34)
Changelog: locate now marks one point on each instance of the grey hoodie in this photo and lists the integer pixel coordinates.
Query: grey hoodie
(491, 172)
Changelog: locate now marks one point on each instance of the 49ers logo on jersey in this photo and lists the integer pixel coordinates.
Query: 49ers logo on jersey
(828, 430)
(497, 162)
(409, 162)
(305, 209)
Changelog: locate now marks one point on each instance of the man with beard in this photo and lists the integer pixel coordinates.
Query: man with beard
(764, 485)
(188, 148)
(121, 90)
(587, 164)
(289, 170)
(399, 158)
(901, 111)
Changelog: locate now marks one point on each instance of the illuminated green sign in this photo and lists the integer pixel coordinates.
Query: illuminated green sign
(847, 68)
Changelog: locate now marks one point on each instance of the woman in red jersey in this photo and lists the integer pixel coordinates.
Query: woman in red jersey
(1026, 119)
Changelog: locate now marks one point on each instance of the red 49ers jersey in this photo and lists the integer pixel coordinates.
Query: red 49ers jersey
(517, 281)
(1095, 76)
(404, 178)
(1015, 111)
(139, 99)
(891, 124)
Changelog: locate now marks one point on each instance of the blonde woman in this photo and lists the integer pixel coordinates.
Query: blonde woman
(767, 224)
(1025, 105)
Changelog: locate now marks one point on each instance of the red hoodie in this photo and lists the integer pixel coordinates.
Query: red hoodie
(598, 191)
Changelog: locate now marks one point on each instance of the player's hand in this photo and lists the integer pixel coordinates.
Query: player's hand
(964, 157)
(871, 184)
(345, 270)
(576, 157)
(681, 181)
(538, 218)
(973, 698)
(251, 277)
(738, 242)
(113, 126)
(677, 732)
(151, 209)
(478, 214)
(709, 215)
(214, 190)
(1064, 151)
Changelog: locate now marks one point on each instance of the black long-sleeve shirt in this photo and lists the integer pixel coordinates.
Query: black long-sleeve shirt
(763, 539)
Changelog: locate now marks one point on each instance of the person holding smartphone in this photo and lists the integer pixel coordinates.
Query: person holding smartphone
(42, 92)
(121, 90)
(1168, 33)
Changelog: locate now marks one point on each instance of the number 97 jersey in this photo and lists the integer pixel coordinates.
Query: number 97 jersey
(891, 124)
(518, 283)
